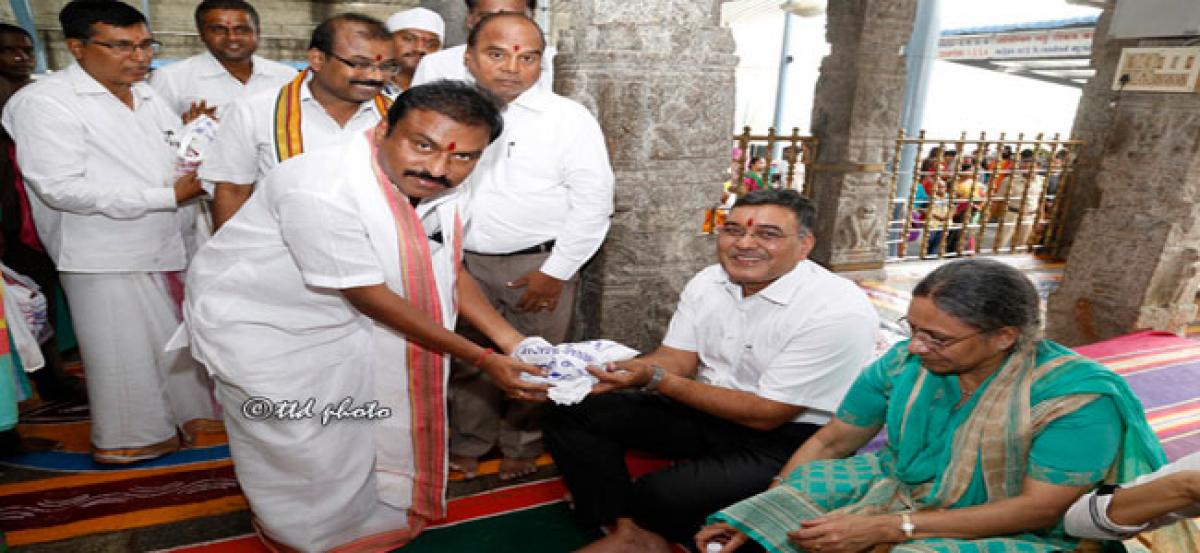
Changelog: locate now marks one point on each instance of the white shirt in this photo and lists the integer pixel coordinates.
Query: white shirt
(449, 64)
(546, 178)
(1080, 521)
(101, 174)
(801, 340)
(244, 150)
(310, 229)
(202, 77)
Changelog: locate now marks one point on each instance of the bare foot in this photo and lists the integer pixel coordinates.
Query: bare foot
(468, 466)
(628, 537)
(513, 468)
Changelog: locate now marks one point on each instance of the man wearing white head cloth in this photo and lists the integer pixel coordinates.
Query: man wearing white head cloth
(416, 32)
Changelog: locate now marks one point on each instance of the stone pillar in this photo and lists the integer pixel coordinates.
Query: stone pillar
(660, 78)
(454, 13)
(856, 112)
(1133, 261)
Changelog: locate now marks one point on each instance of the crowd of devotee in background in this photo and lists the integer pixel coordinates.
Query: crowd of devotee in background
(345, 267)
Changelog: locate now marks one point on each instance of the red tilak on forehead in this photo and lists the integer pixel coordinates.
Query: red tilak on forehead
(453, 146)
(378, 57)
(749, 222)
(516, 48)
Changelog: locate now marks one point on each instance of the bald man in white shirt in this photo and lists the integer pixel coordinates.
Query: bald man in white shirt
(539, 209)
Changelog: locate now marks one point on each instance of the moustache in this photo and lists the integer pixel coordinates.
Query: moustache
(378, 84)
(445, 182)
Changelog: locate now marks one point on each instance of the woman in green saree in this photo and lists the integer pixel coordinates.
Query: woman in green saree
(992, 433)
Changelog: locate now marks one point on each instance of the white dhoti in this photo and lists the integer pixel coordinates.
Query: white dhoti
(311, 485)
(139, 395)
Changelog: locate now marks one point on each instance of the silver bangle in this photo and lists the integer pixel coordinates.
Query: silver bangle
(655, 378)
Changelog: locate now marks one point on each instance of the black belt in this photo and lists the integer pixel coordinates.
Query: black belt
(540, 248)
(1012, 209)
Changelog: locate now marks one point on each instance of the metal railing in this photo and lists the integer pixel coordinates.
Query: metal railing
(1005, 196)
(798, 154)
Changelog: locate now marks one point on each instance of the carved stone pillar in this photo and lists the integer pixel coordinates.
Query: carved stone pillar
(1133, 260)
(660, 78)
(856, 111)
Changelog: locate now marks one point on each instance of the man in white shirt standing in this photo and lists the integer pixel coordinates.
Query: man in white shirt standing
(760, 352)
(448, 64)
(416, 32)
(339, 96)
(539, 209)
(91, 141)
(228, 70)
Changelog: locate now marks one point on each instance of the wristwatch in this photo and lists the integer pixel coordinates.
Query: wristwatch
(907, 526)
(655, 378)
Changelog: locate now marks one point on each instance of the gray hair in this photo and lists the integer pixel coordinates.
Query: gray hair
(985, 294)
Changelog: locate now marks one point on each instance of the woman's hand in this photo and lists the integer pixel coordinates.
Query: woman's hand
(844, 533)
(729, 537)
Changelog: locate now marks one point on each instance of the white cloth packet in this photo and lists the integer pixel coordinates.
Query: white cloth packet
(567, 365)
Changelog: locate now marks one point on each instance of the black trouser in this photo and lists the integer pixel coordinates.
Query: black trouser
(720, 462)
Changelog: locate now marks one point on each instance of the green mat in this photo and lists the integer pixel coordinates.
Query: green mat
(549, 529)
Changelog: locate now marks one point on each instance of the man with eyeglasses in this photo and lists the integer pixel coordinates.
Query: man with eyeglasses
(449, 64)
(228, 69)
(92, 144)
(540, 207)
(339, 96)
(760, 351)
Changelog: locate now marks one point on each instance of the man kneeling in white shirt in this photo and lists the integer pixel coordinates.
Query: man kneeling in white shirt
(760, 352)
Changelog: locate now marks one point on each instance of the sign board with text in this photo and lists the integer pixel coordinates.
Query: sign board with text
(1158, 69)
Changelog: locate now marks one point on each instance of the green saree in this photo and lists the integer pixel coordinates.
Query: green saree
(1047, 414)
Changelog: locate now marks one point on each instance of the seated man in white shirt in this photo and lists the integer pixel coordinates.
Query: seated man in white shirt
(416, 32)
(91, 143)
(540, 208)
(339, 96)
(229, 68)
(448, 63)
(760, 351)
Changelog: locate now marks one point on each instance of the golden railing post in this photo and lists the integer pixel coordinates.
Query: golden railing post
(744, 153)
(937, 171)
(771, 139)
(792, 156)
(977, 158)
(1012, 172)
(1038, 218)
(892, 204)
(1030, 175)
(912, 193)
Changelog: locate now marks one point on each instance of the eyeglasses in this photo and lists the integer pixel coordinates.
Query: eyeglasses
(126, 48)
(389, 67)
(763, 235)
(931, 341)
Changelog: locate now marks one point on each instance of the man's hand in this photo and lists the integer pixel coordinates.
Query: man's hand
(729, 537)
(541, 291)
(621, 375)
(196, 110)
(506, 374)
(187, 187)
(844, 533)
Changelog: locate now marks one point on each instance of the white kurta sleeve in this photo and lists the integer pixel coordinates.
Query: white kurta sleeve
(589, 181)
(52, 151)
(681, 333)
(233, 155)
(328, 240)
